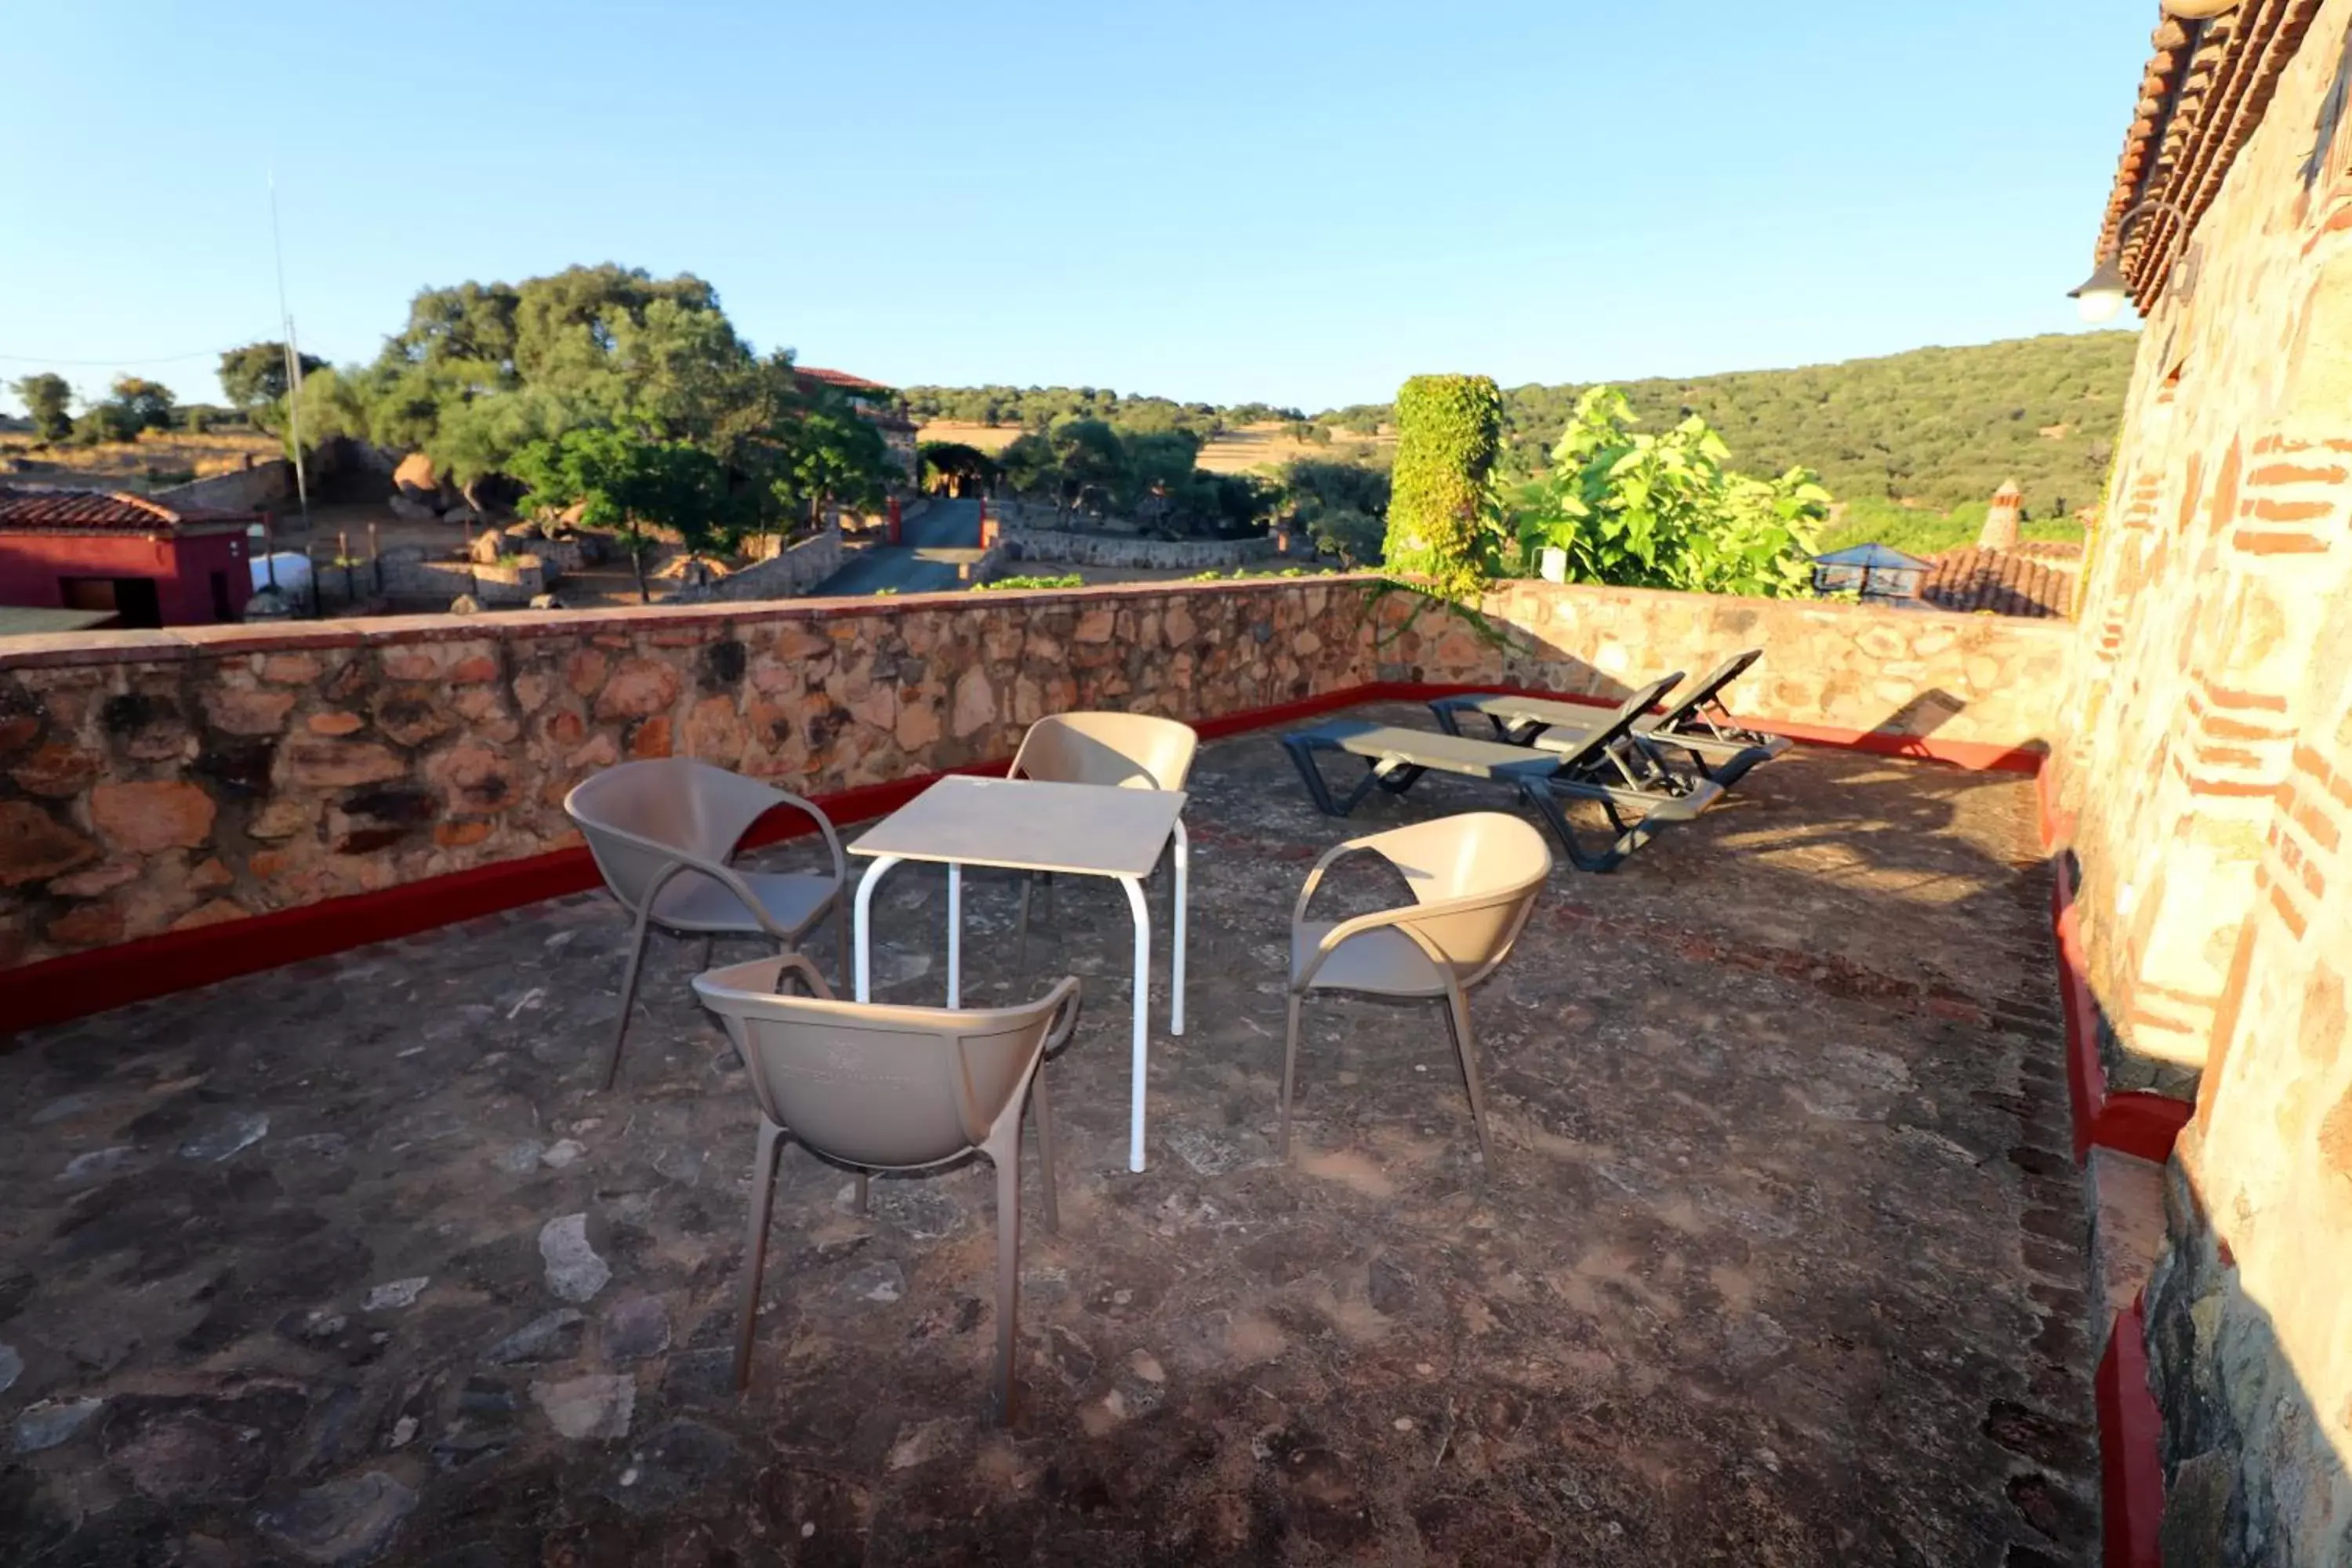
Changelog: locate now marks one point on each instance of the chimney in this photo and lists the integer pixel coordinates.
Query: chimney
(2000, 522)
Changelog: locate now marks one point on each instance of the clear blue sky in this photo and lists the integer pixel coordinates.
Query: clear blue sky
(1297, 203)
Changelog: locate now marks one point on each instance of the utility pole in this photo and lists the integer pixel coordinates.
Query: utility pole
(293, 363)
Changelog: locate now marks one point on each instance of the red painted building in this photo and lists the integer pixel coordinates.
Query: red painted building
(147, 564)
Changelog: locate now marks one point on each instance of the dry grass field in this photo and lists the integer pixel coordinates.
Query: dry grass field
(156, 458)
(1238, 451)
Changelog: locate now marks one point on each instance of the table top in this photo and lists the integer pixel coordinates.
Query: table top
(1026, 824)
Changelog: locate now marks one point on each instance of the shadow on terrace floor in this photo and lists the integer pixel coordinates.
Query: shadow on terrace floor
(1780, 1264)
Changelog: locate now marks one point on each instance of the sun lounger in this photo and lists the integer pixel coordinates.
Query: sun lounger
(1719, 748)
(1641, 796)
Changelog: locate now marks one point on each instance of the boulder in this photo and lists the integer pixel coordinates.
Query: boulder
(465, 604)
(489, 547)
(462, 514)
(416, 479)
(546, 602)
(409, 510)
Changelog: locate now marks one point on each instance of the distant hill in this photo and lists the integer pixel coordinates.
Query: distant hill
(1937, 429)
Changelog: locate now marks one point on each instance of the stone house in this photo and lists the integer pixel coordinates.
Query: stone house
(877, 405)
(2207, 768)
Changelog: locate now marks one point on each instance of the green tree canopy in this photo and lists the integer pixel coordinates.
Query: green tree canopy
(48, 399)
(145, 404)
(254, 377)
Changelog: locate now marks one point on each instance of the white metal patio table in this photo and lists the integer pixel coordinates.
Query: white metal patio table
(1027, 825)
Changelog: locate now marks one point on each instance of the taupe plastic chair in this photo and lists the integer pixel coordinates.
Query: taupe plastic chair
(1474, 879)
(882, 1088)
(1128, 751)
(663, 832)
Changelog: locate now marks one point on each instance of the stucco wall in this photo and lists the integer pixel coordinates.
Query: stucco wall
(2210, 772)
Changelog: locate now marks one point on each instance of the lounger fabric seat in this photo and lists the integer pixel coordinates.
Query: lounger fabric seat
(1640, 795)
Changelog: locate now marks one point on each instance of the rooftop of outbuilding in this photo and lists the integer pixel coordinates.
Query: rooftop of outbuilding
(1778, 1261)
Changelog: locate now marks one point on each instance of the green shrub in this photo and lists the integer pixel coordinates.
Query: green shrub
(1066, 579)
(1441, 517)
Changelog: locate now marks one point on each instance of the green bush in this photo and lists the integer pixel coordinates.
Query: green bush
(1442, 514)
(1666, 511)
(1066, 579)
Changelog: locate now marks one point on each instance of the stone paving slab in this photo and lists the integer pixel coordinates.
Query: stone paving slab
(1781, 1262)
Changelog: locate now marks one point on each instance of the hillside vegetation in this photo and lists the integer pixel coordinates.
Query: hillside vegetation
(1935, 429)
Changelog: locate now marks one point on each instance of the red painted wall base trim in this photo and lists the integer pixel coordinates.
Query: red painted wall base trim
(2131, 1467)
(2131, 1122)
(79, 983)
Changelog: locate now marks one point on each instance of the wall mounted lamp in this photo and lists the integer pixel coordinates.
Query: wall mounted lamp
(2101, 297)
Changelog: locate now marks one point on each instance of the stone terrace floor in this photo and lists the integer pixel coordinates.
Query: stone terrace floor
(1781, 1263)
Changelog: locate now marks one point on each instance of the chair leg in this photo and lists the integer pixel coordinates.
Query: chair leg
(1457, 1024)
(629, 993)
(1289, 1071)
(1044, 1106)
(1006, 1156)
(841, 935)
(755, 1252)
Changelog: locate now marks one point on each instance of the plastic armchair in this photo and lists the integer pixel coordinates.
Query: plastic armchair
(880, 1088)
(1125, 750)
(1474, 879)
(664, 832)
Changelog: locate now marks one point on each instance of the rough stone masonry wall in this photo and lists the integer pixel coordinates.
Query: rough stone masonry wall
(1978, 684)
(2210, 770)
(154, 782)
(1127, 550)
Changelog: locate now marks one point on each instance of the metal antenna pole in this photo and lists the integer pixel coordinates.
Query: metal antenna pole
(293, 361)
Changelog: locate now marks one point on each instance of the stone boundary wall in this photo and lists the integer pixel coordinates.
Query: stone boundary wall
(409, 574)
(265, 486)
(160, 781)
(1982, 684)
(788, 575)
(2209, 780)
(1024, 545)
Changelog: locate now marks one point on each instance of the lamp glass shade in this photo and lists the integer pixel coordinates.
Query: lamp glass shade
(2101, 296)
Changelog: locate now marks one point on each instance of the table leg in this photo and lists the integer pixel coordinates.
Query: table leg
(1142, 913)
(1176, 953)
(861, 941)
(955, 934)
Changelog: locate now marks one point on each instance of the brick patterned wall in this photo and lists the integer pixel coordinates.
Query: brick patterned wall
(2209, 770)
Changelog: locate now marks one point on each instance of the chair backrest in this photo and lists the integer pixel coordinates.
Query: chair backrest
(883, 1086)
(641, 818)
(1135, 751)
(1709, 689)
(1474, 878)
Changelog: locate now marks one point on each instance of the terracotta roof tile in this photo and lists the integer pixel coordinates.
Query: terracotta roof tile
(2205, 91)
(31, 507)
(842, 379)
(2005, 582)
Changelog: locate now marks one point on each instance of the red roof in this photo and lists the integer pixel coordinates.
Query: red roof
(30, 508)
(842, 379)
(2005, 582)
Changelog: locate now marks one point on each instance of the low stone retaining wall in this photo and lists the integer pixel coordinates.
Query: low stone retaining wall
(154, 780)
(265, 486)
(1974, 686)
(158, 781)
(408, 573)
(788, 575)
(1024, 545)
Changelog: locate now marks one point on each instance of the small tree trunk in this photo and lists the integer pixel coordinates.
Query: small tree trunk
(638, 561)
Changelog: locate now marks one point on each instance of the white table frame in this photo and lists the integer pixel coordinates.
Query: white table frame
(1138, 907)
